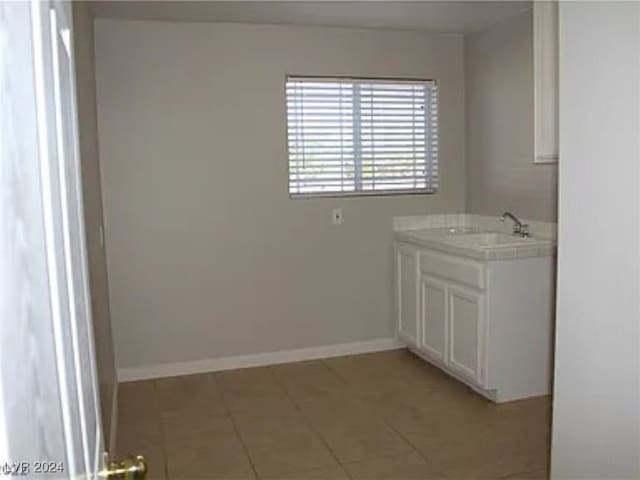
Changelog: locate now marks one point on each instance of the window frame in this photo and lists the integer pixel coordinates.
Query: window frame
(357, 193)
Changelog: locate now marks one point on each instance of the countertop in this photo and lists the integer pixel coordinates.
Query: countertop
(477, 242)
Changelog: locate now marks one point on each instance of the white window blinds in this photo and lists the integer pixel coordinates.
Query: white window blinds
(356, 136)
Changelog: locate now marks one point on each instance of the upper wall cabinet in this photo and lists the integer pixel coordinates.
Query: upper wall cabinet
(545, 65)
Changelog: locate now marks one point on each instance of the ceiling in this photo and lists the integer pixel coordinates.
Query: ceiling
(436, 16)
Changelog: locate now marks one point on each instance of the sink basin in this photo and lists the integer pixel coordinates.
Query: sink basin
(489, 239)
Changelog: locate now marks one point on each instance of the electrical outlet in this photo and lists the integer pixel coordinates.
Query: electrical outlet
(336, 216)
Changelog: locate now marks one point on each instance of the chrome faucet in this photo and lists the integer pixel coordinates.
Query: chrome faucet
(519, 228)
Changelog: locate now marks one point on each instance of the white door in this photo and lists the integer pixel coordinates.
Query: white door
(407, 294)
(49, 410)
(466, 314)
(433, 318)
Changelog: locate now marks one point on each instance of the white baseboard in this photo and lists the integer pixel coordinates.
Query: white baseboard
(256, 360)
(113, 426)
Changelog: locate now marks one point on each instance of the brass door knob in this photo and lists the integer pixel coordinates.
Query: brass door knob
(130, 468)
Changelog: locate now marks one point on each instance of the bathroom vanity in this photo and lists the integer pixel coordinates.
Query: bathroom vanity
(477, 301)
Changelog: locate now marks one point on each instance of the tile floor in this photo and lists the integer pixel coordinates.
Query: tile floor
(384, 415)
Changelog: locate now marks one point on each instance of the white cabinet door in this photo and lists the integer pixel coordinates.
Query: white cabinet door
(545, 63)
(407, 293)
(466, 332)
(433, 318)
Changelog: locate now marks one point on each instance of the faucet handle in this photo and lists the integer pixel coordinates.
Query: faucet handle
(523, 230)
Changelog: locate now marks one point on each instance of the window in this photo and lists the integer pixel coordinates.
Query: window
(350, 136)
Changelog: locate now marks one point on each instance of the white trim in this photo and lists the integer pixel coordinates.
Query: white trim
(256, 360)
(113, 428)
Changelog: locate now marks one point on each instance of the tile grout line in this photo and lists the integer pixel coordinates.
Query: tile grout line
(410, 443)
(235, 427)
(244, 447)
(281, 386)
(285, 382)
(354, 397)
(388, 424)
(516, 476)
(162, 431)
(346, 384)
(333, 371)
(307, 422)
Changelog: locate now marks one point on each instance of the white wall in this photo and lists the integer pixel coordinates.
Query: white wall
(87, 122)
(596, 420)
(207, 255)
(501, 174)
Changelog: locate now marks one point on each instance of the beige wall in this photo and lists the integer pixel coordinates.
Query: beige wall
(501, 174)
(208, 257)
(86, 94)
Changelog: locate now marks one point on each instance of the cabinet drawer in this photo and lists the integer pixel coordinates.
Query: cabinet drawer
(466, 272)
